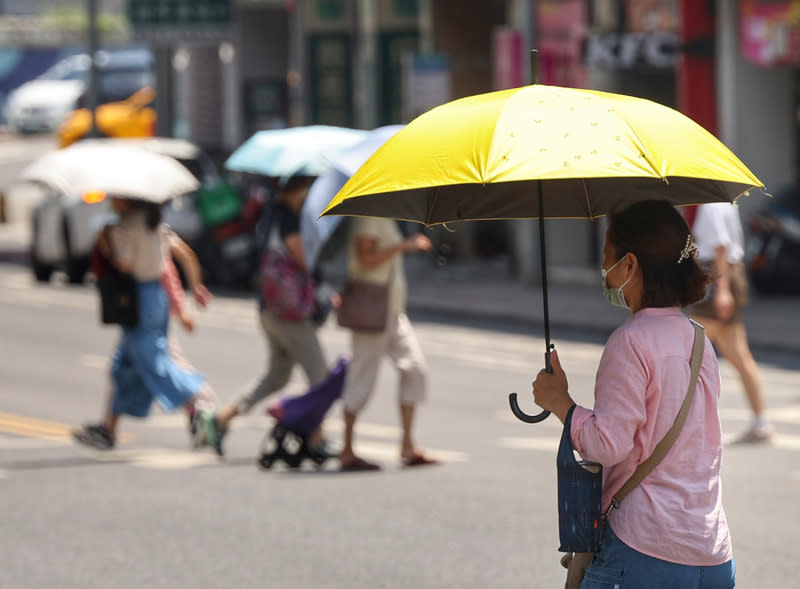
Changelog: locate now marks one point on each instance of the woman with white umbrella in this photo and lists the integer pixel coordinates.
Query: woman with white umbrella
(142, 367)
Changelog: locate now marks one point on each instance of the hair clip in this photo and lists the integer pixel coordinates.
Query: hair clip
(689, 250)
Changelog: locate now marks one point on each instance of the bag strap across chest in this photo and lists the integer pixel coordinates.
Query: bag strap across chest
(669, 439)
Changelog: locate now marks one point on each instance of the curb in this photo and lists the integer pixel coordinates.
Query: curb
(560, 327)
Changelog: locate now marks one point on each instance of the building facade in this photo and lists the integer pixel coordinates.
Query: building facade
(731, 65)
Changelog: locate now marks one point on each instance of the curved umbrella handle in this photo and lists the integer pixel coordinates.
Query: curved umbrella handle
(512, 397)
(521, 415)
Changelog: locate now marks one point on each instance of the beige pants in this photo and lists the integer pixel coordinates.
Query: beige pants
(399, 342)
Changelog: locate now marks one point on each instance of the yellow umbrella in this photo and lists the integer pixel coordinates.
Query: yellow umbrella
(595, 150)
(516, 154)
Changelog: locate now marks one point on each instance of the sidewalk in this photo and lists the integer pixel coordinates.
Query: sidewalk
(773, 324)
(484, 290)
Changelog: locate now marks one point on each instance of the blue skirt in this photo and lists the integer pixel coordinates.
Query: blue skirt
(142, 368)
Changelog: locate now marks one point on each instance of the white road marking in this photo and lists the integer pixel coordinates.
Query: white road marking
(159, 458)
(29, 443)
(95, 361)
(788, 415)
(378, 451)
(540, 444)
(786, 442)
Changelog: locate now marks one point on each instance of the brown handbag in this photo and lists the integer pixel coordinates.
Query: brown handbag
(364, 306)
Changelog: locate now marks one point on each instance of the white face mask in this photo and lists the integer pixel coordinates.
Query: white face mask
(615, 296)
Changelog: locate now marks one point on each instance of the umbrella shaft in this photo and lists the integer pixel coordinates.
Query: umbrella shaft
(544, 276)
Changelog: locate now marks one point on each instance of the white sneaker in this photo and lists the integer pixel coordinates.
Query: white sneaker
(755, 435)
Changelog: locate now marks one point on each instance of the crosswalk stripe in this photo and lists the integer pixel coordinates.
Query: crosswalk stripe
(543, 444)
(159, 458)
(379, 451)
(7, 443)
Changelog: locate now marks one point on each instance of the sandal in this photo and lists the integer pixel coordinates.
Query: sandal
(359, 465)
(418, 459)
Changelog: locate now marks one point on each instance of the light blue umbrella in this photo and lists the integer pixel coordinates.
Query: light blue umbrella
(282, 153)
(317, 233)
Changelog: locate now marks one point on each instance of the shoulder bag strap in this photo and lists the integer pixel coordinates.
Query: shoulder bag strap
(666, 444)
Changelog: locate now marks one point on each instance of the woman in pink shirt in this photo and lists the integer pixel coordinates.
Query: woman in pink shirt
(671, 530)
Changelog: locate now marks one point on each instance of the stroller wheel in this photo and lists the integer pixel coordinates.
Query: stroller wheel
(319, 455)
(272, 447)
(293, 450)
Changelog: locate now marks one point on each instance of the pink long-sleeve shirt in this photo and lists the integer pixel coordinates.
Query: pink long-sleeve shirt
(676, 513)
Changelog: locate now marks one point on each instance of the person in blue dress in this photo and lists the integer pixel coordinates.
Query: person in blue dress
(142, 367)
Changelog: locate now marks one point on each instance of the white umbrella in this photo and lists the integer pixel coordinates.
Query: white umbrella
(122, 170)
(318, 232)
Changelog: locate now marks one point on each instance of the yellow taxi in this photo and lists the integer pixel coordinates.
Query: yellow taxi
(132, 117)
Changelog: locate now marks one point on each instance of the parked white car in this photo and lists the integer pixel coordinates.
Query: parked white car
(45, 102)
(65, 226)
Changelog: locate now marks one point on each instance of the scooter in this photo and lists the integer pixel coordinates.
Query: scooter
(773, 251)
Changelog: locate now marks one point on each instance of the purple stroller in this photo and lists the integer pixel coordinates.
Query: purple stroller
(298, 418)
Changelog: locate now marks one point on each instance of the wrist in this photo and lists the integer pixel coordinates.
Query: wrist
(563, 408)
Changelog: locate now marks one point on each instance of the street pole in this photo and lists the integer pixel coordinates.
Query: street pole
(93, 81)
(523, 232)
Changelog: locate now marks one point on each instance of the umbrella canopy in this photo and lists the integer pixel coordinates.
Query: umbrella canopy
(595, 151)
(541, 151)
(123, 170)
(316, 231)
(281, 153)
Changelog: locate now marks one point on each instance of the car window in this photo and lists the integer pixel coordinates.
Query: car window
(75, 67)
(119, 85)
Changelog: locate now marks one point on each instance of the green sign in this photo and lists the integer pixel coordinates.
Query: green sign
(158, 13)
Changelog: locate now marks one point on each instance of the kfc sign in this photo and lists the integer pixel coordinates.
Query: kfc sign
(628, 50)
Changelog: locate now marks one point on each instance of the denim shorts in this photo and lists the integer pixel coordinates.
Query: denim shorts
(617, 566)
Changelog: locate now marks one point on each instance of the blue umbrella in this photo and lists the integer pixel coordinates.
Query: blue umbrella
(281, 153)
(317, 233)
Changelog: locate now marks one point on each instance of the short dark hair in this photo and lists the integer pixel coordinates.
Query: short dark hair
(656, 233)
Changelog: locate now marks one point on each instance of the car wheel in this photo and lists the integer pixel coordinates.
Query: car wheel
(41, 272)
(76, 266)
(77, 269)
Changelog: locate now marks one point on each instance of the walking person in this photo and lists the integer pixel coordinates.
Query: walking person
(717, 231)
(375, 255)
(171, 282)
(290, 333)
(143, 369)
(671, 529)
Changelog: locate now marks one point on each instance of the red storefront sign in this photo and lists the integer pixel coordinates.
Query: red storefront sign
(507, 55)
(561, 31)
(770, 32)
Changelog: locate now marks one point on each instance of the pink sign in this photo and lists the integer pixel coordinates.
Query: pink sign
(561, 30)
(507, 54)
(770, 32)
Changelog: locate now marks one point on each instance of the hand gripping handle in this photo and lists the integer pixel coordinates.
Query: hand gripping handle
(515, 408)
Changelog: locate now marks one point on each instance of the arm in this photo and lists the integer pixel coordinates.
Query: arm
(723, 298)
(606, 434)
(294, 246)
(370, 256)
(187, 260)
(171, 283)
